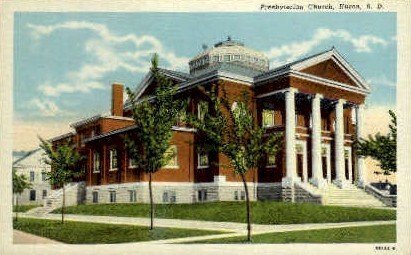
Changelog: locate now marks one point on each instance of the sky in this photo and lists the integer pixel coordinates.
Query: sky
(65, 63)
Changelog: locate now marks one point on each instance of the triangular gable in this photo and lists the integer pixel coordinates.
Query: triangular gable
(147, 86)
(332, 66)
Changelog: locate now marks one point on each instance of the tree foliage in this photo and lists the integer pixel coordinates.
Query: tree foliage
(154, 118)
(64, 162)
(382, 148)
(20, 183)
(234, 131)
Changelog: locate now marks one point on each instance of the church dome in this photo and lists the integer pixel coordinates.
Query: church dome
(232, 52)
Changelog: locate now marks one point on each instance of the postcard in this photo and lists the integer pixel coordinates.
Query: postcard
(258, 127)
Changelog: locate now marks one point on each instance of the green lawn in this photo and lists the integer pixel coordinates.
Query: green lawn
(263, 212)
(24, 208)
(369, 234)
(96, 233)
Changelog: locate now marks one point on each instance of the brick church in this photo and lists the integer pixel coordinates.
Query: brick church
(316, 102)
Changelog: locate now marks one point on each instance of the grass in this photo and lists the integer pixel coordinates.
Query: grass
(24, 208)
(262, 212)
(96, 233)
(368, 234)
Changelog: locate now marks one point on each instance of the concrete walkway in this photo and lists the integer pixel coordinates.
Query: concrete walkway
(234, 229)
(20, 237)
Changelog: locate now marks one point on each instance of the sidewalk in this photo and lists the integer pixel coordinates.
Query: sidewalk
(234, 229)
(20, 237)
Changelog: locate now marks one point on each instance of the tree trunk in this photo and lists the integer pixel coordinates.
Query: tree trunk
(247, 199)
(63, 205)
(17, 207)
(151, 203)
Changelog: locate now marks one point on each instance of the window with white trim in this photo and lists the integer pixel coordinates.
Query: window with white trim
(32, 174)
(268, 118)
(172, 153)
(113, 159)
(96, 162)
(202, 109)
(203, 160)
(271, 160)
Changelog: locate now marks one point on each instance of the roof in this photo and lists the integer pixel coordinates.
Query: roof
(25, 156)
(129, 128)
(66, 135)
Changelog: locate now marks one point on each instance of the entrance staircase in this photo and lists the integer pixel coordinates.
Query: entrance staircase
(350, 196)
(74, 195)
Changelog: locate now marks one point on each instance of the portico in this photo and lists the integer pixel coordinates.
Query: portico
(323, 154)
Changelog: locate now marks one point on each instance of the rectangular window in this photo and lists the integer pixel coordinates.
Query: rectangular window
(132, 163)
(169, 197)
(203, 160)
(133, 196)
(113, 159)
(236, 195)
(242, 195)
(32, 176)
(202, 195)
(270, 160)
(268, 118)
(112, 196)
(172, 154)
(44, 193)
(95, 197)
(96, 162)
(202, 109)
(43, 176)
(32, 195)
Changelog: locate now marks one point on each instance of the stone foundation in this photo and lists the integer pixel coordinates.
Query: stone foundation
(168, 192)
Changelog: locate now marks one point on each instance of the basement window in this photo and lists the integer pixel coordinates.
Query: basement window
(202, 195)
(95, 197)
(112, 197)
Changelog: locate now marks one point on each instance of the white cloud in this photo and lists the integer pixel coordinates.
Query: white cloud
(382, 80)
(108, 54)
(289, 52)
(46, 107)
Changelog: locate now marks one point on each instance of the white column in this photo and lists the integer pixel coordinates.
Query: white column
(339, 144)
(360, 134)
(290, 156)
(316, 158)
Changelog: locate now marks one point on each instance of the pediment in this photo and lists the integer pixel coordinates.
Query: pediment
(330, 70)
(331, 66)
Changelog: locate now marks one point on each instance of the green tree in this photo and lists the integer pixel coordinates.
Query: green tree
(63, 160)
(382, 148)
(233, 130)
(154, 118)
(20, 183)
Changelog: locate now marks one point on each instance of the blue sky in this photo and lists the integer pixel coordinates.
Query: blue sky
(64, 63)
